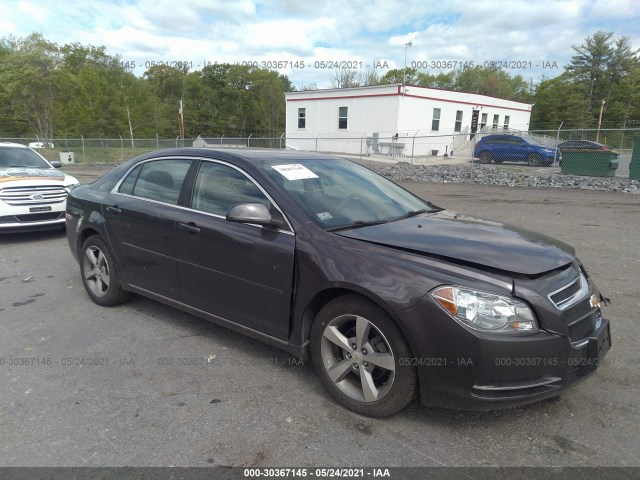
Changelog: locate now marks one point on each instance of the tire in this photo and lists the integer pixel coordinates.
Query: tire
(534, 160)
(100, 275)
(373, 389)
(485, 157)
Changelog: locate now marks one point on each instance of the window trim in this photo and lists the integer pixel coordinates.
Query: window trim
(457, 127)
(496, 120)
(302, 110)
(346, 119)
(505, 123)
(434, 119)
(199, 160)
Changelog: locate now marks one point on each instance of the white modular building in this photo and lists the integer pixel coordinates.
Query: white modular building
(392, 120)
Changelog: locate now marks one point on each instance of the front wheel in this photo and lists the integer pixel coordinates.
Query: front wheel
(362, 357)
(100, 275)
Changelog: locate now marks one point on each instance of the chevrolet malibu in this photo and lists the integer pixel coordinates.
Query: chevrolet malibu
(389, 295)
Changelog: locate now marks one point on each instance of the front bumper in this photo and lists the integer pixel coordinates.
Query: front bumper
(33, 222)
(476, 371)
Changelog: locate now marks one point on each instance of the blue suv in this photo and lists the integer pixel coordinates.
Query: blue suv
(515, 148)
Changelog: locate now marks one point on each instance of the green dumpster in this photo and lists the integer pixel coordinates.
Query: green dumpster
(634, 166)
(593, 163)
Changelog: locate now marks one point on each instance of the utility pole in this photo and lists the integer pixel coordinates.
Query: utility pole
(181, 122)
(404, 72)
(600, 120)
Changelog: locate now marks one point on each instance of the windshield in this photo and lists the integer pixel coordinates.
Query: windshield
(21, 158)
(337, 194)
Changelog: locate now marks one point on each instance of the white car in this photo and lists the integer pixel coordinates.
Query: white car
(33, 194)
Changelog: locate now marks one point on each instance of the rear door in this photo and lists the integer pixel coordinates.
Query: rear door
(501, 148)
(239, 272)
(520, 149)
(140, 219)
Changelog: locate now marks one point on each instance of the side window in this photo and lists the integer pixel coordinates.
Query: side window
(343, 117)
(435, 121)
(218, 187)
(161, 180)
(128, 183)
(302, 117)
(458, 125)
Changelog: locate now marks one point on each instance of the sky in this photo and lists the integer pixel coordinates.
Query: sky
(306, 39)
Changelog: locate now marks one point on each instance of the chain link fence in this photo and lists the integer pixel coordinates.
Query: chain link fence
(600, 153)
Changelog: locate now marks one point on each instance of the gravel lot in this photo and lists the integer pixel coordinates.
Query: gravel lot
(132, 385)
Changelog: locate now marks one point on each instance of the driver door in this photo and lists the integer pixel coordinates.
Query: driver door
(240, 272)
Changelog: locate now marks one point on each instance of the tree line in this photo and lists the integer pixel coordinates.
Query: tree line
(71, 90)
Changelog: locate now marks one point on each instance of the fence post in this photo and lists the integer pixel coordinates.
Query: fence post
(121, 148)
(555, 155)
(249, 141)
(317, 142)
(361, 138)
(84, 158)
(413, 145)
(281, 137)
(221, 139)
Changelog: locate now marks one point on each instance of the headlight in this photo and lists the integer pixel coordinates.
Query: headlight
(486, 311)
(70, 187)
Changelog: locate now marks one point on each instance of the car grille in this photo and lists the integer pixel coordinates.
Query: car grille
(571, 293)
(582, 328)
(32, 217)
(566, 293)
(31, 195)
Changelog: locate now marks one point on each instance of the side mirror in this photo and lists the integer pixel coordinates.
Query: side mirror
(253, 213)
(55, 164)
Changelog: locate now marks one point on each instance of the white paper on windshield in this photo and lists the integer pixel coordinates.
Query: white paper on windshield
(294, 171)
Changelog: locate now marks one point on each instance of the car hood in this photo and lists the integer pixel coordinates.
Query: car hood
(470, 240)
(19, 173)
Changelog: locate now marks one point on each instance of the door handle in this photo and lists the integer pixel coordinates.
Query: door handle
(189, 227)
(114, 209)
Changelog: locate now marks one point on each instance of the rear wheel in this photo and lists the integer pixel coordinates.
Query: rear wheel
(485, 157)
(534, 160)
(100, 275)
(362, 357)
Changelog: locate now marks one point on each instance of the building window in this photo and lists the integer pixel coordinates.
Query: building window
(343, 113)
(496, 120)
(506, 122)
(458, 126)
(435, 123)
(302, 117)
(483, 123)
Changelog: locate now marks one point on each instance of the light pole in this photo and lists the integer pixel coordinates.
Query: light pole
(404, 72)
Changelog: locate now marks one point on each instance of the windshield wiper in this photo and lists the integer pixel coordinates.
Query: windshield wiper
(358, 224)
(412, 213)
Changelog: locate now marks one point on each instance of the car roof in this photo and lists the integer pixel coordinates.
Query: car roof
(493, 135)
(255, 156)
